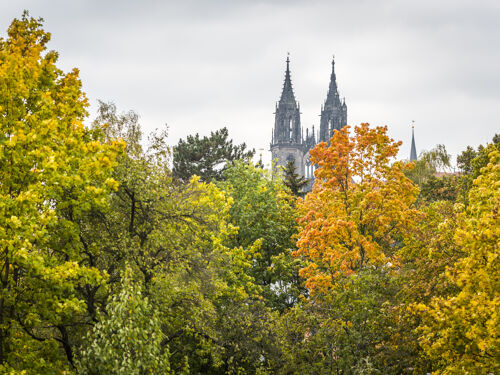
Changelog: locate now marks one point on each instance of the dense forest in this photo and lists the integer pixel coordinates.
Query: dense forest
(122, 255)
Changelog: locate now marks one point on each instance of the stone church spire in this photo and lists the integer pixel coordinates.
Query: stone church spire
(287, 96)
(287, 143)
(332, 98)
(287, 128)
(333, 112)
(413, 152)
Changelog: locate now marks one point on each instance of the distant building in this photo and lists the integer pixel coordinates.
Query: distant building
(288, 142)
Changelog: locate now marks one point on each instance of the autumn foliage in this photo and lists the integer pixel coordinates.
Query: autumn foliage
(461, 331)
(53, 171)
(360, 204)
(113, 263)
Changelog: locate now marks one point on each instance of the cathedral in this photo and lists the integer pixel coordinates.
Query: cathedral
(288, 142)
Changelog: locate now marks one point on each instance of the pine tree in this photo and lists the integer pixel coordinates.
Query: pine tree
(206, 157)
(293, 181)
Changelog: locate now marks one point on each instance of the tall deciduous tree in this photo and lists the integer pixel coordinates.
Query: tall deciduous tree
(359, 207)
(461, 332)
(52, 171)
(470, 163)
(178, 240)
(206, 157)
(429, 250)
(264, 211)
(127, 338)
(428, 163)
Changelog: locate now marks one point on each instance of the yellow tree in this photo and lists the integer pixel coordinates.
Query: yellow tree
(359, 206)
(462, 332)
(52, 171)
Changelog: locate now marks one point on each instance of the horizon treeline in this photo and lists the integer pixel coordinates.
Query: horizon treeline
(120, 255)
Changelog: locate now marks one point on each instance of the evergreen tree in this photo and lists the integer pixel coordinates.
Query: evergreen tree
(293, 181)
(206, 157)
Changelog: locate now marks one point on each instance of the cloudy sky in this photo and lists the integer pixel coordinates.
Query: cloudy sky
(199, 65)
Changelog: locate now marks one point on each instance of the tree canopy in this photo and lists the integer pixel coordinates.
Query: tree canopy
(114, 262)
(207, 157)
(53, 171)
(461, 331)
(359, 207)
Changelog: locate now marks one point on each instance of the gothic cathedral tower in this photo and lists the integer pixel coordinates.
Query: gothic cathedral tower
(287, 144)
(333, 112)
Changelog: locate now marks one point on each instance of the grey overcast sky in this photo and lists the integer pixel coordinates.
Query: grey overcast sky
(199, 65)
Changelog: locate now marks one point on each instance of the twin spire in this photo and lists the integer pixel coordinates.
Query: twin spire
(287, 121)
(288, 143)
(333, 116)
(332, 98)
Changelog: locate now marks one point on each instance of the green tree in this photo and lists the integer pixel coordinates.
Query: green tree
(127, 338)
(461, 331)
(293, 181)
(178, 240)
(464, 160)
(346, 331)
(428, 251)
(428, 163)
(263, 211)
(206, 157)
(470, 163)
(444, 188)
(53, 171)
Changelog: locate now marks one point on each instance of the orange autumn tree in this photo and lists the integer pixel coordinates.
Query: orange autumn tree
(360, 205)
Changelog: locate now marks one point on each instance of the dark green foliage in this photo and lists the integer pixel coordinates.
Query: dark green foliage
(470, 163)
(464, 160)
(346, 331)
(293, 181)
(444, 188)
(207, 157)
